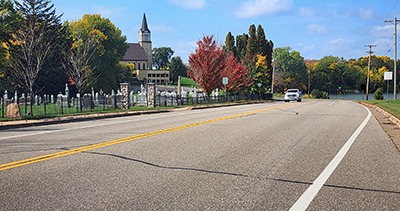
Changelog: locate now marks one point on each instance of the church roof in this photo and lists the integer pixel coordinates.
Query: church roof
(144, 28)
(135, 52)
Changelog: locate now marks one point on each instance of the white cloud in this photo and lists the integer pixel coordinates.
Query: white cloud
(189, 4)
(316, 29)
(306, 48)
(366, 13)
(107, 12)
(306, 12)
(184, 49)
(337, 41)
(162, 28)
(255, 8)
(383, 31)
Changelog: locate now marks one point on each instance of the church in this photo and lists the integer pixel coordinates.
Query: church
(141, 55)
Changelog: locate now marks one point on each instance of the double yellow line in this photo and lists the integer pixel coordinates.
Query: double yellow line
(122, 140)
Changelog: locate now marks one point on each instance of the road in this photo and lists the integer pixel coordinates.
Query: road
(315, 155)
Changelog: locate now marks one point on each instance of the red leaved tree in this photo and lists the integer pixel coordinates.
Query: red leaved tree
(207, 64)
(238, 76)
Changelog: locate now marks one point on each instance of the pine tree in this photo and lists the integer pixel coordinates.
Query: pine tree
(252, 41)
(262, 42)
(230, 44)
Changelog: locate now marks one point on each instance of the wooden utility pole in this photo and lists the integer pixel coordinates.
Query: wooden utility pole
(369, 66)
(395, 56)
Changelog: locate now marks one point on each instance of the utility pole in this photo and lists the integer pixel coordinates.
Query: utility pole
(395, 55)
(369, 66)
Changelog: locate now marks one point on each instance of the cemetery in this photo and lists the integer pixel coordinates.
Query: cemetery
(17, 105)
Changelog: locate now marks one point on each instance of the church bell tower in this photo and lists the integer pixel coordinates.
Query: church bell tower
(145, 42)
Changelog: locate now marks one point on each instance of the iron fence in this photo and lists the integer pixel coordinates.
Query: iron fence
(46, 106)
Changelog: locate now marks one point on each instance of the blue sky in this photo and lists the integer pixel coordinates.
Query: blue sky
(315, 28)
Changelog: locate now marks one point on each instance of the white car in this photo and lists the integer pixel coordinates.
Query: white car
(292, 95)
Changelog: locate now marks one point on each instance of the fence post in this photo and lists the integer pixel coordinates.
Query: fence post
(62, 107)
(2, 108)
(44, 104)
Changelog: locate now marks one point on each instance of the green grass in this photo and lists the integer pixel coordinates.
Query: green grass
(391, 106)
(186, 82)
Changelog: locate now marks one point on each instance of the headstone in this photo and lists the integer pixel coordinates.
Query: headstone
(62, 100)
(142, 99)
(131, 98)
(112, 98)
(16, 97)
(22, 100)
(5, 96)
(36, 100)
(52, 99)
(13, 110)
(96, 99)
(87, 102)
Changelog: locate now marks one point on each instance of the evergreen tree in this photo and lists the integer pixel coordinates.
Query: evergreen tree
(230, 44)
(252, 41)
(262, 42)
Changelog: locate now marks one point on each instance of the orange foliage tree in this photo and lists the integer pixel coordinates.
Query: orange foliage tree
(238, 76)
(207, 64)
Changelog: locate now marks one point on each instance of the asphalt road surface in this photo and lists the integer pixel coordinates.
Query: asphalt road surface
(315, 155)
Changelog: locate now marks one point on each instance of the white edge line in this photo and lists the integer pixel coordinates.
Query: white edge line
(304, 201)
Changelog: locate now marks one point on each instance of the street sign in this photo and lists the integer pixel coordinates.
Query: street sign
(388, 76)
(225, 81)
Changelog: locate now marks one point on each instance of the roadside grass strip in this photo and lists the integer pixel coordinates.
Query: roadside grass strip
(122, 140)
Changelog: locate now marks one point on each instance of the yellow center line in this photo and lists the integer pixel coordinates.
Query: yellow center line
(122, 140)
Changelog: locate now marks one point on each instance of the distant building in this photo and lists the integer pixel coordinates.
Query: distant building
(141, 55)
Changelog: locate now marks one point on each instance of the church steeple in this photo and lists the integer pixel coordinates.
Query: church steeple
(145, 41)
(144, 28)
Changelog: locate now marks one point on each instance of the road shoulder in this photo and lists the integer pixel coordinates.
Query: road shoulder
(388, 122)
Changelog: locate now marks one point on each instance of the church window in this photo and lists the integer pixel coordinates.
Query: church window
(138, 66)
(149, 75)
(144, 66)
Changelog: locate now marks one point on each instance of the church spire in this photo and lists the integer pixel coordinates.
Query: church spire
(144, 28)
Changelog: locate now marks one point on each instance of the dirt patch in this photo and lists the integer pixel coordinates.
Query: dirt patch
(388, 122)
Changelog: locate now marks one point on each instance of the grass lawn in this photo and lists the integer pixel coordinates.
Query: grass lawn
(186, 82)
(392, 106)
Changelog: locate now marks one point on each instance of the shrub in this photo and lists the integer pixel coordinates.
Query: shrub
(315, 93)
(378, 95)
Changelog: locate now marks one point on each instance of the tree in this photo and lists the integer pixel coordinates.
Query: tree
(109, 51)
(177, 68)
(238, 76)
(40, 29)
(206, 64)
(262, 42)
(252, 41)
(79, 55)
(230, 44)
(9, 22)
(162, 57)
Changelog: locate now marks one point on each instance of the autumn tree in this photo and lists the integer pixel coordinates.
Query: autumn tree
(39, 31)
(9, 22)
(109, 53)
(206, 64)
(79, 55)
(162, 57)
(238, 77)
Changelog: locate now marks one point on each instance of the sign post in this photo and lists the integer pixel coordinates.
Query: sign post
(225, 82)
(387, 77)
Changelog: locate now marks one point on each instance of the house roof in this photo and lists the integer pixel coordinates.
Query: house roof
(135, 52)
